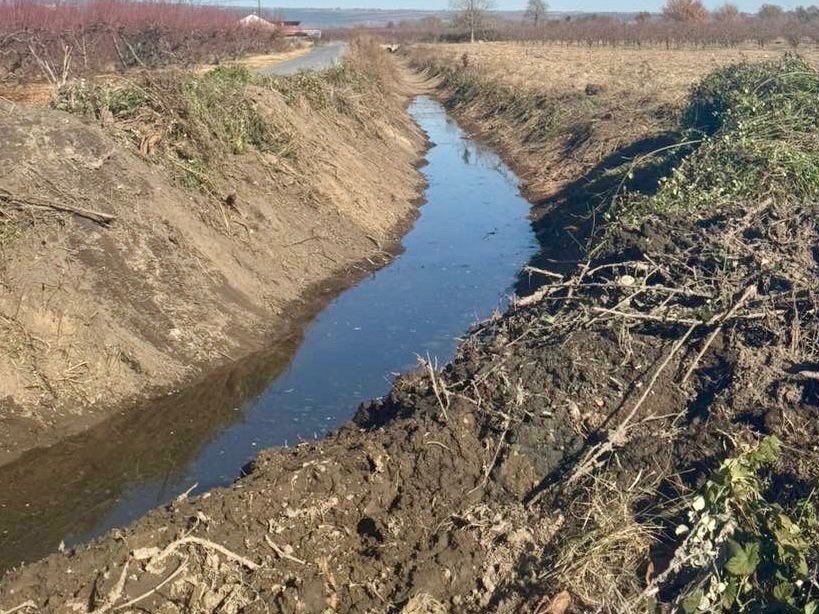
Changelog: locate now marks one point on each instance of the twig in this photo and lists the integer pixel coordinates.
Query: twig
(182, 496)
(533, 298)
(116, 591)
(677, 564)
(36, 203)
(647, 316)
(22, 606)
(618, 436)
(432, 442)
(310, 238)
(494, 462)
(533, 269)
(150, 592)
(434, 378)
(749, 292)
(205, 544)
(281, 553)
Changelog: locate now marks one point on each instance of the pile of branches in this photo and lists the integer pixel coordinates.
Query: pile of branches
(724, 307)
(744, 275)
(711, 286)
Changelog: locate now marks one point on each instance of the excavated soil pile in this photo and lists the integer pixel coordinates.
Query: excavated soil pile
(622, 385)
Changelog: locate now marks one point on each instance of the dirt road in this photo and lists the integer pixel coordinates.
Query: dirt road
(320, 58)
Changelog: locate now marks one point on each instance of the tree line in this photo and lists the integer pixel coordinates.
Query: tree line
(681, 22)
(64, 40)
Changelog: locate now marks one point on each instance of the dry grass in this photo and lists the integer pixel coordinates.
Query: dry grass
(601, 562)
(666, 75)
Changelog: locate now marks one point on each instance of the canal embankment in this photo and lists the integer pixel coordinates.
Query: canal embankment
(157, 227)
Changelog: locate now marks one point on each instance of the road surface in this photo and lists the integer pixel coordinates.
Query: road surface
(319, 58)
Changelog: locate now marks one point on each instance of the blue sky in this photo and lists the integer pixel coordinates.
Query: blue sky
(558, 5)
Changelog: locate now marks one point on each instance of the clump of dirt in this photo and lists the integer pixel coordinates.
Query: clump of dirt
(123, 276)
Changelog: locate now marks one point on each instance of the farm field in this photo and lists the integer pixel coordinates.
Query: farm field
(665, 74)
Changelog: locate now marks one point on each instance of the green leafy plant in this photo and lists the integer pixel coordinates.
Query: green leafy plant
(749, 132)
(744, 552)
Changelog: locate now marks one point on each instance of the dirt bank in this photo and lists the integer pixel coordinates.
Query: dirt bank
(169, 224)
(635, 436)
(564, 118)
(458, 495)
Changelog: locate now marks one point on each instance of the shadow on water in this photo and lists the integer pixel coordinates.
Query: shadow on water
(62, 492)
(459, 263)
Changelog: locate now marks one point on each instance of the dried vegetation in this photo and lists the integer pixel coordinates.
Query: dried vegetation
(194, 123)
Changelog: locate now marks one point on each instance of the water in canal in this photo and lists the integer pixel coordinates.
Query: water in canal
(459, 264)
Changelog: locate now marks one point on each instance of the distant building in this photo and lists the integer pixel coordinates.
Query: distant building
(287, 28)
(257, 22)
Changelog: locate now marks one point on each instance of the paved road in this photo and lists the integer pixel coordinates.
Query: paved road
(319, 58)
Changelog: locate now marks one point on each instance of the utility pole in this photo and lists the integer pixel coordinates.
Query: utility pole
(259, 9)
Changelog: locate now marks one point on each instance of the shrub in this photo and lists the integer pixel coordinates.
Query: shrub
(750, 131)
(193, 120)
(60, 41)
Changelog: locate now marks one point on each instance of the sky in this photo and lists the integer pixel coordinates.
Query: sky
(557, 5)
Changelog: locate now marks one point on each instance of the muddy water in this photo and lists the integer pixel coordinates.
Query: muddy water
(459, 263)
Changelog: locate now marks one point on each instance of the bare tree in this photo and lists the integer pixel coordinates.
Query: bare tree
(536, 11)
(727, 13)
(770, 11)
(685, 10)
(471, 13)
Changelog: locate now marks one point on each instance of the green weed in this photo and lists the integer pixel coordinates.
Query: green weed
(196, 118)
(749, 132)
(753, 554)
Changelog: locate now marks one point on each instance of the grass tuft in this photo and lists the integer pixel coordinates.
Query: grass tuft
(601, 563)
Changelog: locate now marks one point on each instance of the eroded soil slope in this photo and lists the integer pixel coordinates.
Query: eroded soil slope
(218, 227)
